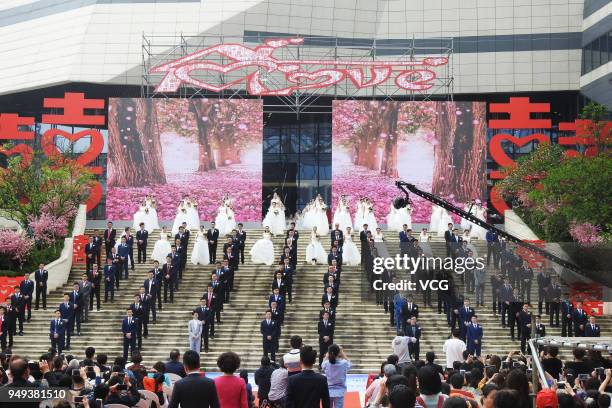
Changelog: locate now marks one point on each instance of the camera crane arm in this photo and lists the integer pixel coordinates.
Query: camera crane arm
(407, 188)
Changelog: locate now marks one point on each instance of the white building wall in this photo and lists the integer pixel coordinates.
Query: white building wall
(102, 43)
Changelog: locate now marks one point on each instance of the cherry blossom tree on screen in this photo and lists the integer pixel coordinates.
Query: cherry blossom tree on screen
(134, 144)
(460, 151)
(366, 126)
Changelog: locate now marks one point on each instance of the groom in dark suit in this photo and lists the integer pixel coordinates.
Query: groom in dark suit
(212, 235)
(194, 390)
(308, 389)
(448, 238)
(142, 235)
(337, 235)
(242, 236)
(110, 235)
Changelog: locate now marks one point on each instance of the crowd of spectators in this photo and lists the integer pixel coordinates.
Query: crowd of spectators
(491, 381)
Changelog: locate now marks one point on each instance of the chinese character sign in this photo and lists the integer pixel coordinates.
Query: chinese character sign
(74, 107)
(519, 111)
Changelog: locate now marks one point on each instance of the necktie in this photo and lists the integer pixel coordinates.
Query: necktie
(268, 322)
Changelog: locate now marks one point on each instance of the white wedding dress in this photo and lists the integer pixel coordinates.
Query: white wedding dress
(225, 220)
(391, 219)
(370, 219)
(443, 222)
(262, 251)
(315, 250)
(359, 217)
(477, 231)
(275, 220)
(200, 255)
(307, 217)
(466, 224)
(403, 216)
(342, 216)
(193, 218)
(161, 249)
(320, 218)
(350, 254)
(139, 216)
(150, 219)
(181, 216)
(435, 218)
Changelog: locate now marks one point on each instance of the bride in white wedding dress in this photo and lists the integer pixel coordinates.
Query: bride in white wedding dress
(320, 216)
(342, 215)
(314, 251)
(262, 251)
(480, 212)
(200, 255)
(350, 254)
(275, 218)
(225, 220)
(162, 247)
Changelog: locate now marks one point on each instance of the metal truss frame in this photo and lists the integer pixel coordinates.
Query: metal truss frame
(160, 49)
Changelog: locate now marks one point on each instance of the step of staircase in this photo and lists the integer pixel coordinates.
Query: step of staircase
(362, 327)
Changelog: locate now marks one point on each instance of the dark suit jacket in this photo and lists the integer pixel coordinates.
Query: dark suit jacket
(27, 287)
(41, 277)
(307, 390)
(212, 235)
(110, 236)
(142, 235)
(325, 331)
(129, 328)
(59, 328)
(589, 332)
(416, 333)
(194, 391)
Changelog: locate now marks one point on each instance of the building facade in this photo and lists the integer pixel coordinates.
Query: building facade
(555, 51)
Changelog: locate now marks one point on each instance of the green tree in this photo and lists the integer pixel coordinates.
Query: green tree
(55, 183)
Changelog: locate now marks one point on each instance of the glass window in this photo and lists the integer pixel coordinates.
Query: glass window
(587, 58)
(596, 59)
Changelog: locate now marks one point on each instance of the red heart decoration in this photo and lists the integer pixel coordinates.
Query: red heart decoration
(497, 201)
(94, 150)
(95, 196)
(22, 149)
(500, 157)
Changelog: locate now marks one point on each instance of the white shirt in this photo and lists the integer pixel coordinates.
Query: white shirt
(399, 345)
(453, 348)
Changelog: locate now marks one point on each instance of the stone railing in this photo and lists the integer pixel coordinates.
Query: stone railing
(59, 270)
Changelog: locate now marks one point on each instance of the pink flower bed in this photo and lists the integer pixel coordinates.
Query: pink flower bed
(586, 234)
(207, 188)
(14, 245)
(357, 182)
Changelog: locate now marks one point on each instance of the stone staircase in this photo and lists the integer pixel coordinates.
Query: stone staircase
(362, 328)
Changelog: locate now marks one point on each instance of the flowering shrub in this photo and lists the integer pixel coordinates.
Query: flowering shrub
(47, 229)
(15, 246)
(586, 234)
